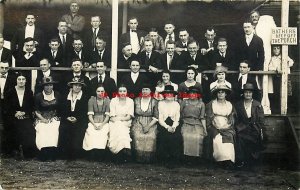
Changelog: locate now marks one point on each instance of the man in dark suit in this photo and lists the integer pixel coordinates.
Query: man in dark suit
(181, 44)
(79, 52)
(170, 34)
(134, 36)
(46, 72)
(92, 33)
(101, 53)
(242, 78)
(102, 78)
(251, 47)
(222, 56)
(28, 31)
(54, 54)
(150, 61)
(29, 56)
(65, 39)
(134, 80)
(170, 61)
(5, 54)
(209, 44)
(124, 59)
(77, 67)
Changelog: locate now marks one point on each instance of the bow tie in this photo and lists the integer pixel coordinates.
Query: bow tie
(133, 30)
(3, 76)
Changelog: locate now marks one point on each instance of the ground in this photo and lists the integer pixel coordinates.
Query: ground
(106, 175)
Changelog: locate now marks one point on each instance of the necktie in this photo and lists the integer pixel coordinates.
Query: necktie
(53, 54)
(3, 76)
(170, 37)
(94, 38)
(210, 44)
(170, 61)
(223, 54)
(133, 30)
(148, 55)
(241, 82)
(100, 55)
(64, 41)
(29, 54)
(100, 79)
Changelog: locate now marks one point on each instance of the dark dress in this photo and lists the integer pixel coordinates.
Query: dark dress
(24, 130)
(249, 132)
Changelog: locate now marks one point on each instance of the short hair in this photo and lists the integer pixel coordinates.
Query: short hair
(29, 39)
(254, 11)
(153, 30)
(135, 59)
(96, 16)
(76, 59)
(170, 42)
(45, 60)
(77, 38)
(166, 71)
(247, 62)
(169, 22)
(101, 62)
(182, 30)
(101, 38)
(30, 13)
(191, 68)
(247, 20)
(222, 40)
(211, 28)
(125, 44)
(54, 40)
(148, 40)
(132, 18)
(192, 41)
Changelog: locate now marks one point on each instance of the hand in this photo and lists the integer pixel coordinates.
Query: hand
(203, 51)
(204, 76)
(44, 120)
(72, 119)
(195, 66)
(86, 64)
(153, 69)
(205, 132)
(146, 129)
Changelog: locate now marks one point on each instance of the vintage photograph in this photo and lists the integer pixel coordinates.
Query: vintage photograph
(149, 94)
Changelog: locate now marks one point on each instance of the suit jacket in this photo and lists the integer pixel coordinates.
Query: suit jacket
(200, 60)
(175, 63)
(58, 61)
(108, 83)
(204, 44)
(237, 89)
(124, 63)
(17, 42)
(228, 61)
(180, 45)
(154, 60)
(125, 38)
(10, 82)
(68, 46)
(254, 52)
(106, 57)
(68, 77)
(88, 38)
(85, 57)
(6, 55)
(22, 61)
(55, 76)
(134, 88)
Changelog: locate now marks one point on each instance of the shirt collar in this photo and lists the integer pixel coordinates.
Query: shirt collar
(47, 73)
(102, 76)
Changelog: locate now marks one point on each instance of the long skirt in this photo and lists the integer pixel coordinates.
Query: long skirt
(192, 139)
(144, 143)
(47, 134)
(119, 137)
(222, 151)
(95, 139)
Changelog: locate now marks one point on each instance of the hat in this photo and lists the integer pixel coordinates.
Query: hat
(76, 80)
(220, 69)
(47, 80)
(221, 87)
(169, 89)
(146, 85)
(248, 86)
(193, 89)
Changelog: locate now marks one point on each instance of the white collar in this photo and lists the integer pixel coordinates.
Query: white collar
(78, 97)
(47, 73)
(134, 74)
(102, 76)
(49, 97)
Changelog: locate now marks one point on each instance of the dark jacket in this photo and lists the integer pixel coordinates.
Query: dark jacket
(108, 83)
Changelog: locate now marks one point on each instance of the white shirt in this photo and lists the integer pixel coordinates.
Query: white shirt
(167, 38)
(1, 50)
(134, 41)
(248, 109)
(20, 97)
(102, 77)
(134, 76)
(101, 52)
(169, 59)
(148, 54)
(49, 97)
(73, 101)
(61, 37)
(244, 79)
(97, 30)
(249, 38)
(79, 53)
(47, 73)
(222, 54)
(29, 31)
(2, 85)
(54, 53)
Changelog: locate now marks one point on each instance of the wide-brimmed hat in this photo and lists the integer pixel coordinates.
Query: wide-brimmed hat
(248, 86)
(48, 80)
(76, 80)
(223, 87)
(169, 89)
(220, 69)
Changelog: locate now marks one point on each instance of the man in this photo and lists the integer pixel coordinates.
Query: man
(135, 37)
(170, 35)
(92, 33)
(77, 67)
(242, 78)
(126, 56)
(254, 17)
(157, 41)
(170, 61)
(28, 31)
(46, 72)
(251, 47)
(181, 44)
(79, 52)
(222, 56)
(28, 57)
(101, 78)
(134, 80)
(75, 22)
(5, 54)
(101, 53)
(65, 39)
(208, 44)
(150, 61)
(54, 54)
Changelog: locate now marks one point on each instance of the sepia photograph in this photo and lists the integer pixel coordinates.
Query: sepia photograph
(149, 94)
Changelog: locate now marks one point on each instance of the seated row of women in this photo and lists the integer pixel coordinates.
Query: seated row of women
(143, 128)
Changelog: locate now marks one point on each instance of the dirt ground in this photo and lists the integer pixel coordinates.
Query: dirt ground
(106, 175)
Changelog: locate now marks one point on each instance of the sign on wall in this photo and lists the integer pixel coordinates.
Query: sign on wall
(286, 36)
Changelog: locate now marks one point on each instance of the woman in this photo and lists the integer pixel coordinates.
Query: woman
(220, 75)
(169, 137)
(121, 114)
(191, 74)
(193, 127)
(48, 112)
(96, 135)
(219, 122)
(19, 103)
(165, 80)
(74, 120)
(250, 121)
(144, 128)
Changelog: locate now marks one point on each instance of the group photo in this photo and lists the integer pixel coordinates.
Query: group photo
(149, 94)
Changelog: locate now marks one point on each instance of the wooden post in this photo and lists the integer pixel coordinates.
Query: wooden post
(125, 15)
(284, 55)
(114, 33)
